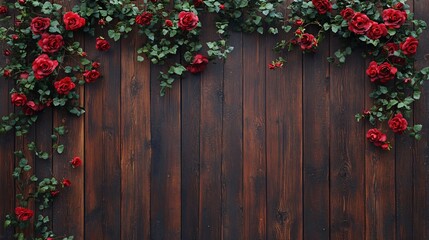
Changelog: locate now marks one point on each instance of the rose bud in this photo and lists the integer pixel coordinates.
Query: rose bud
(168, 23)
(15, 37)
(7, 52)
(222, 7)
(298, 22)
(101, 22)
(22, 2)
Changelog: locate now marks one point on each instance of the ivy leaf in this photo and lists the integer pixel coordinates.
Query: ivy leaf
(60, 149)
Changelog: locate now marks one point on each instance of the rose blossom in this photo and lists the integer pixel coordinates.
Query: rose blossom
(347, 13)
(198, 64)
(65, 182)
(3, 9)
(39, 25)
(91, 76)
(73, 21)
(394, 18)
(76, 162)
(409, 46)
(398, 123)
(322, 6)
(372, 71)
(18, 99)
(102, 44)
(7, 73)
(360, 23)
(187, 21)
(377, 31)
(55, 193)
(168, 23)
(64, 86)
(43, 66)
(376, 136)
(51, 43)
(144, 19)
(95, 64)
(307, 41)
(386, 72)
(23, 214)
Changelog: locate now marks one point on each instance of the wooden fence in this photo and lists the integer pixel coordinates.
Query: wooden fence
(238, 152)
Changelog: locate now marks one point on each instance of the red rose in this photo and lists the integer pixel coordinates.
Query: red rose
(91, 76)
(21, 2)
(73, 21)
(144, 19)
(299, 22)
(377, 31)
(18, 99)
(322, 6)
(198, 64)
(64, 86)
(398, 123)
(222, 6)
(65, 182)
(386, 72)
(23, 214)
(376, 136)
(409, 47)
(360, 23)
(3, 9)
(307, 41)
(187, 21)
(197, 3)
(390, 49)
(372, 71)
(55, 193)
(7, 52)
(95, 64)
(51, 43)
(76, 162)
(347, 13)
(394, 18)
(39, 25)
(102, 44)
(168, 23)
(24, 75)
(7, 73)
(43, 66)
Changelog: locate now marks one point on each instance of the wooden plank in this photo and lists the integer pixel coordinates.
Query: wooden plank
(102, 141)
(254, 138)
(191, 114)
(7, 145)
(135, 142)
(316, 81)
(210, 220)
(379, 183)
(347, 149)
(68, 209)
(404, 152)
(166, 160)
(421, 158)
(232, 137)
(284, 138)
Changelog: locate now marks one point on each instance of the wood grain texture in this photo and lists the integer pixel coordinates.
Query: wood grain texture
(347, 151)
(7, 163)
(166, 159)
(232, 143)
(102, 147)
(135, 142)
(238, 152)
(210, 220)
(254, 138)
(316, 145)
(421, 158)
(68, 210)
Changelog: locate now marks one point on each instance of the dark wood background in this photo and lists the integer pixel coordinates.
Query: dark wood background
(238, 152)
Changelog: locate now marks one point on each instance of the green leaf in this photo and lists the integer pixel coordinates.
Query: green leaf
(60, 149)
(417, 127)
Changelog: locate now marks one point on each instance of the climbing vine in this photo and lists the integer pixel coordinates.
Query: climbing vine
(47, 65)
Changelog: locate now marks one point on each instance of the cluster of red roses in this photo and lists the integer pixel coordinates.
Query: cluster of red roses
(187, 21)
(24, 214)
(43, 66)
(398, 124)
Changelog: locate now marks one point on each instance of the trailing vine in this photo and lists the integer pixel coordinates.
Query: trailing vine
(48, 66)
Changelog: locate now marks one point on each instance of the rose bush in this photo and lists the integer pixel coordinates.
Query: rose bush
(47, 65)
